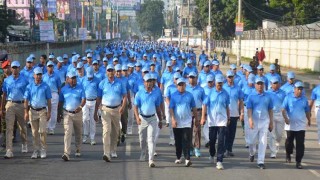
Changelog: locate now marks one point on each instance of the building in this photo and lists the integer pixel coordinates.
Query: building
(21, 7)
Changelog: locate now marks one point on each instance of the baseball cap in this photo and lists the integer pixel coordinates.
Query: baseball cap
(207, 63)
(189, 61)
(110, 66)
(117, 67)
(89, 55)
(153, 76)
(147, 77)
(145, 55)
(50, 63)
(173, 58)
(274, 79)
(176, 75)
(72, 74)
(291, 75)
(154, 56)
(95, 62)
(210, 77)
(138, 64)
(115, 59)
(29, 59)
(79, 65)
(74, 58)
(298, 84)
(65, 56)
(84, 58)
(105, 59)
(145, 69)
(219, 78)
(90, 72)
(51, 56)
(272, 67)
(215, 62)
(260, 67)
(169, 63)
(230, 73)
(181, 80)
(32, 56)
(59, 59)
(192, 74)
(248, 68)
(177, 69)
(130, 65)
(259, 79)
(124, 67)
(152, 64)
(37, 70)
(15, 64)
(251, 78)
(233, 66)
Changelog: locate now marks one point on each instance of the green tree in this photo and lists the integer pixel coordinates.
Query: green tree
(150, 18)
(297, 12)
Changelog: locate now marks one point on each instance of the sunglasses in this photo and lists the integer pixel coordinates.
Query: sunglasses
(220, 83)
(230, 77)
(124, 70)
(192, 77)
(110, 70)
(300, 88)
(260, 83)
(119, 71)
(29, 62)
(50, 66)
(210, 81)
(181, 84)
(275, 83)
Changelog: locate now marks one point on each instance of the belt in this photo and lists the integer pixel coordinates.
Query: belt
(112, 107)
(38, 109)
(72, 112)
(91, 99)
(199, 109)
(19, 102)
(148, 116)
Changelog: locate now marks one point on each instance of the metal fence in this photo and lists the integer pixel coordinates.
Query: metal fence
(309, 31)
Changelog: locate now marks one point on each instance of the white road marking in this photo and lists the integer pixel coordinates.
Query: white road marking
(314, 172)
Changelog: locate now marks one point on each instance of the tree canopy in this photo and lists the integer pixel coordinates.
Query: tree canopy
(150, 18)
(224, 14)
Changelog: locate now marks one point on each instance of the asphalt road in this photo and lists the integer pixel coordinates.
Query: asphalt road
(127, 166)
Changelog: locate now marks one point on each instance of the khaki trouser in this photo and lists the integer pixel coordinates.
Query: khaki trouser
(38, 121)
(15, 111)
(111, 129)
(72, 121)
(196, 131)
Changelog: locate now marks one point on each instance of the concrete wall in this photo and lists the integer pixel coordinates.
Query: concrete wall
(21, 51)
(300, 54)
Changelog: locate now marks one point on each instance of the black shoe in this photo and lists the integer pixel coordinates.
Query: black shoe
(123, 138)
(105, 158)
(299, 166)
(261, 166)
(230, 154)
(65, 157)
(288, 159)
(207, 145)
(251, 158)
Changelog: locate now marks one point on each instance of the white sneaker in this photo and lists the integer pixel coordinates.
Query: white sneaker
(188, 163)
(84, 140)
(142, 156)
(51, 132)
(171, 143)
(93, 142)
(24, 148)
(151, 164)
(114, 154)
(129, 130)
(34, 154)
(177, 161)
(77, 154)
(8, 154)
(155, 154)
(43, 154)
(211, 159)
(219, 166)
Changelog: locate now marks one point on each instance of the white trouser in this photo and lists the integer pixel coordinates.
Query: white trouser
(147, 133)
(317, 114)
(258, 133)
(205, 131)
(157, 133)
(246, 126)
(54, 111)
(89, 124)
(163, 65)
(168, 119)
(130, 112)
(275, 136)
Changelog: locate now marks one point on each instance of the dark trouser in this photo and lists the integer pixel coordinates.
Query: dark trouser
(231, 133)
(299, 136)
(124, 120)
(223, 60)
(182, 137)
(217, 132)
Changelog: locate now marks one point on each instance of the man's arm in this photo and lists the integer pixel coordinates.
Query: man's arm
(124, 103)
(158, 109)
(250, 118)
(271, 119)
(26, 110)
(49, 109)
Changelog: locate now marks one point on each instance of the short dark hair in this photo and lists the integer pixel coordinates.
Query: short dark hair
(44, 56)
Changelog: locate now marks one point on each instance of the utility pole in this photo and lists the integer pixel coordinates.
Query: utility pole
(209, 30)
(239, 37)
(188, 22)
(181, 27)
